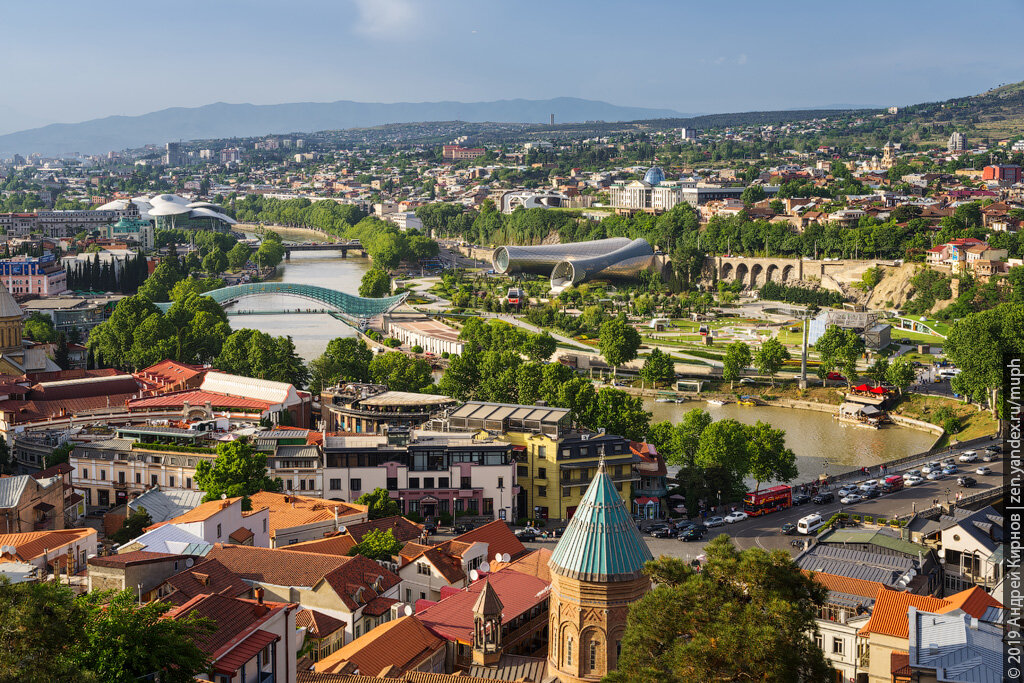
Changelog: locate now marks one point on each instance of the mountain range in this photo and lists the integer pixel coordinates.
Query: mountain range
(223, 120)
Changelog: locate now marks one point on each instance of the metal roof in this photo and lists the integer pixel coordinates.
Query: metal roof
(11, 490)
(601, 542)
(164, 505)
(954, 648)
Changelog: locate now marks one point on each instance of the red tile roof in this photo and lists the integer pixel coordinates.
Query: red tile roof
(498, 537)
(233, 660)
(289, 510)
(844, 584)
(33, 544)
(332, 545)
(199, 513)
(235, 619)
(318, 624)
(133, 558)
(206, 577)
(889, 615)
(974, 601)
(452, 617)
(198, 397)
(402, 643)
(240, 535)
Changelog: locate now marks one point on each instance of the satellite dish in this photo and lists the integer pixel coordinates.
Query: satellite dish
(189, 562)
(408, 610)
(223, 496)
(484, 567)
(342, 530)
(473, 575)
(506, 558)
(498, 557)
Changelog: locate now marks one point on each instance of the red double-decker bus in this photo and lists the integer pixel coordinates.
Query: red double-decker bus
(768, 500)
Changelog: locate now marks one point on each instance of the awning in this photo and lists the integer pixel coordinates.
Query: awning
(862, 387)
(43, 507)
(879, 390)
(232, 661)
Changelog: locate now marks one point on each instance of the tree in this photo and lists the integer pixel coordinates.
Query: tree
(901, 373)
(977, 345)
(620, 413)
(400, 372)
(346, 359)
(238, 470)
(157, 286)
(770, 358)
(112, 339)
(737, 358)
(376, 283)
(42, 626)
(62, 354)
(133, 526)
(658, 368)
(5, 457)
(252, 353)
(61, 453)
(39, 328)
(839, 348)
(124, 642)
(539, 347)
(752, 194)
(377, 544)
(238, 256)
(619, 342)
(878, 371)
(711, 625)
(215, 261)
(767, 456)
(380, 504)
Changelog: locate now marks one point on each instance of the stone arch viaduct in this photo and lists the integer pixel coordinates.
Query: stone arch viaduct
(754, 272)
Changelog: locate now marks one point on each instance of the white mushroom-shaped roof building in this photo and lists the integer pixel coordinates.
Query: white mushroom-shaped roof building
(173, 210)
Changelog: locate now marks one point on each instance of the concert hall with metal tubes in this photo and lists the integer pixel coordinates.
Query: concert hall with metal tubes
(616, 258)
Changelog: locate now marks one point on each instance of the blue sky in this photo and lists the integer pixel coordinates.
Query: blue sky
(72, 61)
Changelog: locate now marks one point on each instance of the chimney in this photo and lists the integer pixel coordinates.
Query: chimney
(259, 596)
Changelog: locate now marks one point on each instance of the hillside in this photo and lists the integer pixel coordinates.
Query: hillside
(223, 120)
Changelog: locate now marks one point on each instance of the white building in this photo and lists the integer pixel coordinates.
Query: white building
(429, 334)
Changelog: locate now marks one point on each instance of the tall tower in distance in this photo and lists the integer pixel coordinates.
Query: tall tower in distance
(596, 574)
(552, 119)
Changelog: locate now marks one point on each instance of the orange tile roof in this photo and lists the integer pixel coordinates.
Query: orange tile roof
(847, 585)
(235, 618)
(290, 510)
(889, 616)
(332, 545)
(533, 563)
(318, 624)
(199, 513)
(402, 643)
(974, 601)
(206, 577)
(498, 537)
(32, 544)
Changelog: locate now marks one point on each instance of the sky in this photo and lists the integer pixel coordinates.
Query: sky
(73, 61)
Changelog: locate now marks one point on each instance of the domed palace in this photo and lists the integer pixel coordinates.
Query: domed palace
(596, 574)
(654, 176)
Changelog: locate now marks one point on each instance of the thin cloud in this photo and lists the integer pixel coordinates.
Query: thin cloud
(379, 18)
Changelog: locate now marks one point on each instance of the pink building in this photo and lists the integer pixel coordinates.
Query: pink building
(42, 276)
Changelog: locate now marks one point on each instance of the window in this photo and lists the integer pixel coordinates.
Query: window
(542, 491)
(392, 483)
(593, 656)
(474, 506)
(423, 568)
(465, 482)
(188, 482)
(138, 477)
(501, 483)
(353, 484)
(218, 531)
(819, 641)
(568, 651)
(618, 650)
(414, 482)
(264, 526)
(171, 482)
(312, 484)
(523, 470)
(542, 473)
(359, 629)
(542, 451)
(837, 646)
(444, 482)
(302, 484)
(408, 595)
(85, 474)
(488, 506)
(428, 482)
(120, 477)
(153, 479)
(335, 484)
(103, 475)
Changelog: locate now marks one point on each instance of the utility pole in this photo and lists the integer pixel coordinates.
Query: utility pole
(803, 357)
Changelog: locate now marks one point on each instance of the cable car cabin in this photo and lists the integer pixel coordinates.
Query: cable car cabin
(705, 330)
(768, 500)
(515, 296)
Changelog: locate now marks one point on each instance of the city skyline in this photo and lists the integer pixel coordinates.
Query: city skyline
(692, 59)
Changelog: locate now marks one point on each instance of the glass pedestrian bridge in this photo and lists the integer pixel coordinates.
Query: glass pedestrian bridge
(346, 304)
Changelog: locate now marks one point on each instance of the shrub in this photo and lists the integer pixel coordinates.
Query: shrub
(444, 519)
(417, 349)
(445, 354)
(414, 517)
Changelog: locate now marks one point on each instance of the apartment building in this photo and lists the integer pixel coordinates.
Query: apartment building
(39, 276)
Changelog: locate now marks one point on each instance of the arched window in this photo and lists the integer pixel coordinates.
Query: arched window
(593, 655)
(568, 651)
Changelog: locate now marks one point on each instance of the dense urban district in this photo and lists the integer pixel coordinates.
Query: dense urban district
(468, 482)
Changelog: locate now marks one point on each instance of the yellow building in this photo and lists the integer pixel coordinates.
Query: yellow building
(555, 462)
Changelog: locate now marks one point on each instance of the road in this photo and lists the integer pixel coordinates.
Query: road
(763, 532)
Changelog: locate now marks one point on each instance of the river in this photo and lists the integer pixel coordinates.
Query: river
(310, 332)
(820, 443)
(814, 437)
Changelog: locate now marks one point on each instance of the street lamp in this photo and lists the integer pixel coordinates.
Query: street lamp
(719, 499)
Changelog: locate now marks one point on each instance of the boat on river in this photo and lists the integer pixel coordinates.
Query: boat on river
(747, 401)
(716, 402)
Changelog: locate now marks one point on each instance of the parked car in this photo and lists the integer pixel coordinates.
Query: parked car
(990, 456)
(846, 490)
(748, 380)
(737, 516)
(966, 482)
(937, 474)
(911, 473)
(871, 493)
(526, 535)
(913, 479)
(968, 456)
(983, 470)
(931, 467)
(693, 534)
(463, 528)
(664, 532)
(851, 498)
(950, 469)
(801, 499)
(713, 522)
(823, 498)
(788, 529)
(559, 532)
(994, 448)
(430, 526)
(869, 484)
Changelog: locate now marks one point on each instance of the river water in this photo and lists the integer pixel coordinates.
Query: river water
(310, 332)
(820, 443)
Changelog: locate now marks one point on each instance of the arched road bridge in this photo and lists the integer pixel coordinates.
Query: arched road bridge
(348, 305)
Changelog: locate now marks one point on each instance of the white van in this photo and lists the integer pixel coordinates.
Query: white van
(809, 524)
